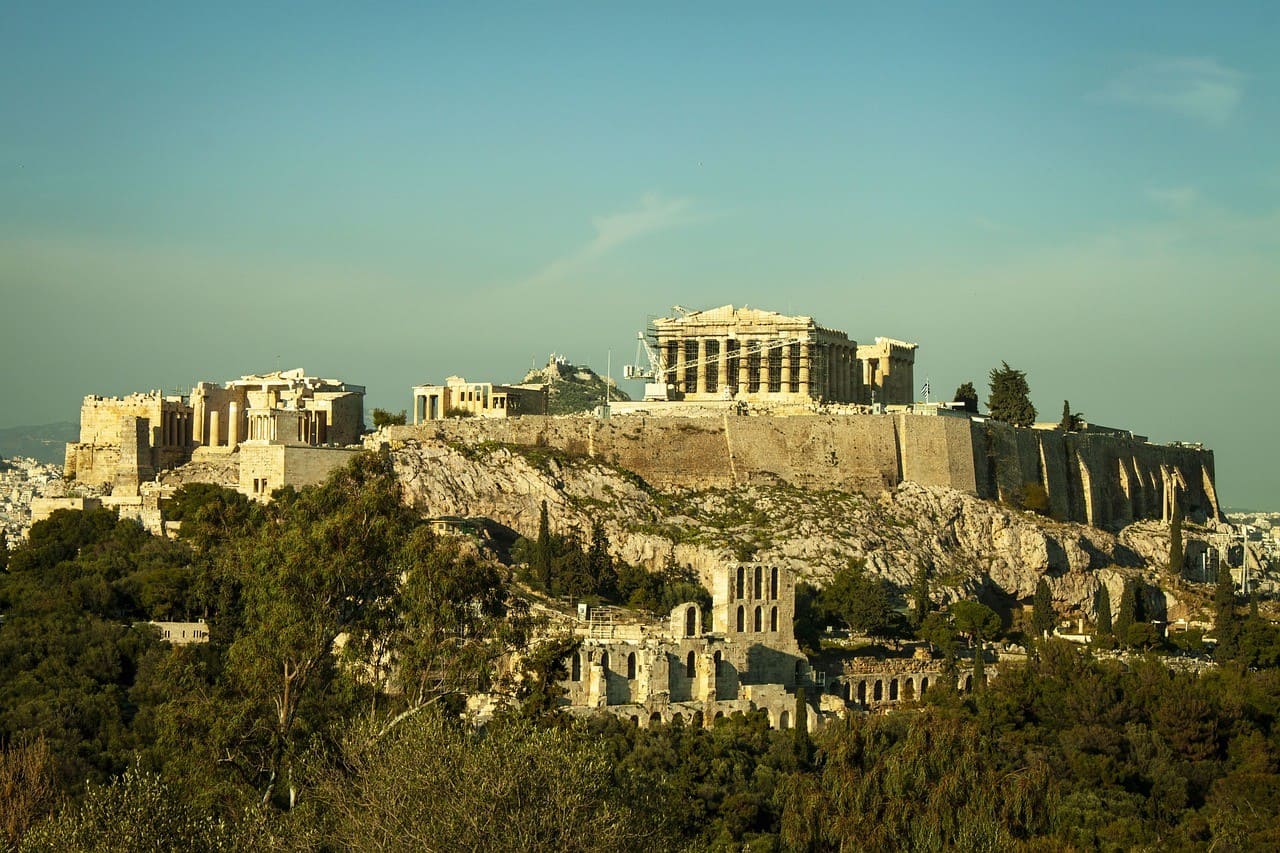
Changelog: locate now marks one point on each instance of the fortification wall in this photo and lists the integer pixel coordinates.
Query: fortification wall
(1103, 479)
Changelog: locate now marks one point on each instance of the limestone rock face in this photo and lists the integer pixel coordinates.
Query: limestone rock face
(969, 545)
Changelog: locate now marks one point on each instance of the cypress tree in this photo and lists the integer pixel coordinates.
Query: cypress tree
(1042, 616)
(1104, 612)
(803, 744)
(1010, 399)
(1125, 613)
(1068, 422)
(600, 563)
(543, 552)
(979, 669)
(920, 596)
(1226, 623)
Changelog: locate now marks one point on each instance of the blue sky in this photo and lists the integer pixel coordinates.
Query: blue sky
(393, 194)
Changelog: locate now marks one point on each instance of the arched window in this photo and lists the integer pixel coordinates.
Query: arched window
(862, 692)
(759, 582)
(877, 692)
(576, 667)
(689, 666)
(741, 618)
(968, 683)
(784, 720)
(631, 665)
(604, 662)
(924, 685)
(893, 689)
(773, 584)
(742, 575)
(719, 661)
(758, 619)
(691, 621)
(773, 618)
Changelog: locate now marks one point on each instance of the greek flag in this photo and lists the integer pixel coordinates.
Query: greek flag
(925, 388)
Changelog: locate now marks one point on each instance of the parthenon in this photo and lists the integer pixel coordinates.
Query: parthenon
(763, 356)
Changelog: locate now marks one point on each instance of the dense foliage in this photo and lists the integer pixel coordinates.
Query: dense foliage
(266, 739)
(1010, 399)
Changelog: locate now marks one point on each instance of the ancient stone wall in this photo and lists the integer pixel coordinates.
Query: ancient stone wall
(1102, 479)
(267, 467)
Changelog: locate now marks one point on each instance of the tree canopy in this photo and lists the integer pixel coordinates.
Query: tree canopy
(1010, 400)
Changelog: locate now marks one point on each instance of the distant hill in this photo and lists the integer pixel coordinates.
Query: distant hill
(45, 442)
(573, 387)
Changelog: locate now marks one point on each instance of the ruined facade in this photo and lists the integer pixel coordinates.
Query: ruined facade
(458, 397)
(286, 428)
(888, 372)
(744, 657)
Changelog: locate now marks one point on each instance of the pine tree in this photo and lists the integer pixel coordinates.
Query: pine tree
(1010, 399)
(542, 553)
(1042, 615)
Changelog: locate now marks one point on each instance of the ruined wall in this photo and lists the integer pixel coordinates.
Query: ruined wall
(1103, 479)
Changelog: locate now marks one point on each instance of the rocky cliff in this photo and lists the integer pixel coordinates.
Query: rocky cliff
(972, 547)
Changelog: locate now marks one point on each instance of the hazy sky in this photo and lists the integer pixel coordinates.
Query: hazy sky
(391, 195)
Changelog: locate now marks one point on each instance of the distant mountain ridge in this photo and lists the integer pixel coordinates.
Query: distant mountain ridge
(44, 442)
(573, 388)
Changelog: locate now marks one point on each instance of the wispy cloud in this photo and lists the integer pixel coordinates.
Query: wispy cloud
(654, 213)
(1174, 199)
(1198, 88)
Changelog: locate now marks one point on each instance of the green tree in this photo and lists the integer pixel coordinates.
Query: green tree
(1103, 608)
(600, 563)
(1010, 399)
(1042, 615)
(939, 630)
(1226, 622)
(804, 745)
(967, 396)
(382, 417)
(1071, 421)
(543, 551)
(920, 596)
(862, 602)
(1126, 613)
(976, 620)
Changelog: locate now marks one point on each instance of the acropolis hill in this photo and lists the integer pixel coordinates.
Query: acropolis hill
(735, 396)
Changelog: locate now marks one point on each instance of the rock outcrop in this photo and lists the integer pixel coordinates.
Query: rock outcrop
(970, 546)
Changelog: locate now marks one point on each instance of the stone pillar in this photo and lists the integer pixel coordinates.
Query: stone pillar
(233, 424)
(744, 372)
(197, 420)
(722, 366)
(806, 360)
(215, 433)
(682, 362)
(764, 368)
(786, 368)
(701, 384)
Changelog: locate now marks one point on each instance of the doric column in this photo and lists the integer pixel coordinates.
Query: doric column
(764, 368)
(806, 360)
(786, 368)
(682, 362)
(701, 383)
(215, 434)
(744, 364)
(198, 420)
(722, 366)
(233, 424)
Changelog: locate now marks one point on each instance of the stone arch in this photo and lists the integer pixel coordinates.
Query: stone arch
(773, 619)
(784, 720)
(757, 622)
(690, 665)
(773, 583)
(908, 690)
(742, 578)
(677, 719)
(718, 661)
(877, 692)
(862, 692)
(719, 716)
(696, 720)
(924, 685)
(655, 717)
(604, 663)
(691, 621)
(893, 690)
(575, 667)
(631, 666)
(635, 719)
(759, 587)
(742, 616)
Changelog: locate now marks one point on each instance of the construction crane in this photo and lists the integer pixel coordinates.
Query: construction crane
(656, 373)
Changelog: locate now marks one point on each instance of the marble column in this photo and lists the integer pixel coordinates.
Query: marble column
(682, 361)
(722, 366)
(215, 437)
(764, 368)
(806, 355)
(744, 371)
(786, 368)
(233, 424)
(702, 365)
